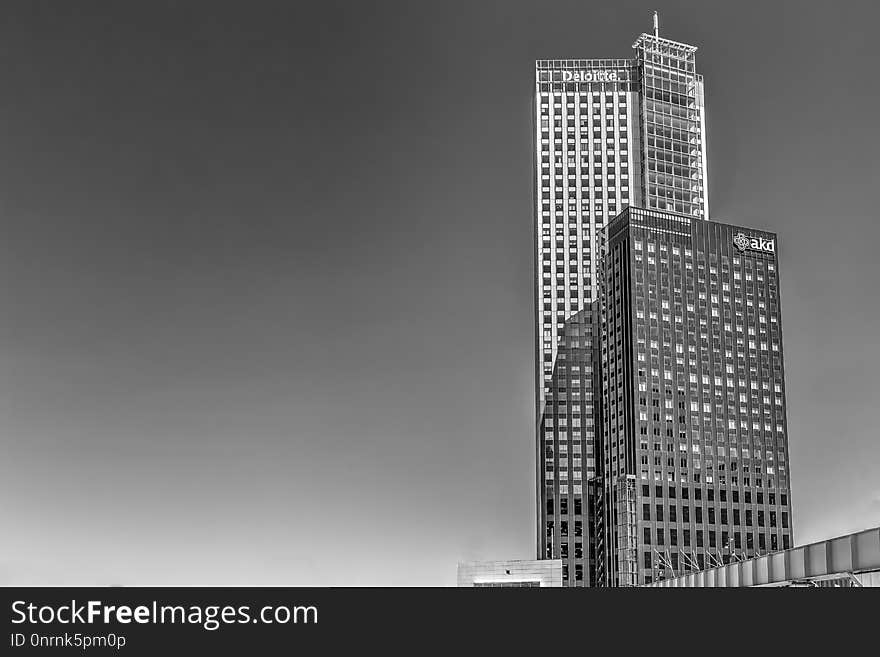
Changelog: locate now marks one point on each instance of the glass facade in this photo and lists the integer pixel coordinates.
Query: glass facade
(672, 124)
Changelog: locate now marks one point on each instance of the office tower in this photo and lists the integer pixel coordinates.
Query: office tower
(695, 439)
(608, 133)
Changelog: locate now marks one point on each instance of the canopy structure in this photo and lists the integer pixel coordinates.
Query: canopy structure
(847, 561)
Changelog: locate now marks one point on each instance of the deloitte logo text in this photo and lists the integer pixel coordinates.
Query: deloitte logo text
(589, 76)
(745, 243)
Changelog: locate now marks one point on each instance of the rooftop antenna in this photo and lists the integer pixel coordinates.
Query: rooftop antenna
(656, 25)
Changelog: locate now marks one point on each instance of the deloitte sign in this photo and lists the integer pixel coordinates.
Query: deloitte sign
(748, 243)
(590, 76)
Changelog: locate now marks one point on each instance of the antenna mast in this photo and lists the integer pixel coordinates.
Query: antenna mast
(656, 25)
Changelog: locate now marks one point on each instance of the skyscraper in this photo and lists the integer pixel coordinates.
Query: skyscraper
(695, 438)
(609, 133)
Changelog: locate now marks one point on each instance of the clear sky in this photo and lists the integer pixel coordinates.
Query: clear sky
(266, 274)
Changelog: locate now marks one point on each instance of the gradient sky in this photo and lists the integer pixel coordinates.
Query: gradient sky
(266, 274)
